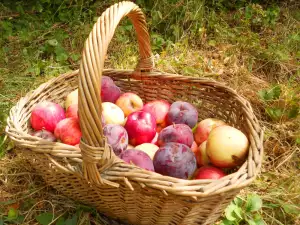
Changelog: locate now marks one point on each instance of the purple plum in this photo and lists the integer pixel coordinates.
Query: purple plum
(110, 92)
(179, 133)
(175, 160)
(117, 137)
(138, 158)
(182, 113)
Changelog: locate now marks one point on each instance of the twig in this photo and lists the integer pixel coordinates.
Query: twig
(16, 15)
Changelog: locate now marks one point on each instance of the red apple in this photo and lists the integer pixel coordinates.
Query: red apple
(159, 109)
(204, 128)
(201, 155)
(194, 147)
(46, 115)
(68, 131)
(129, 103)
(72, 111)
(209, 172)
(141, 127)
(227, 146)
(72, 98)
(112, 113)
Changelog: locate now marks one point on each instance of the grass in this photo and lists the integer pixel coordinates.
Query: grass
(253, 48)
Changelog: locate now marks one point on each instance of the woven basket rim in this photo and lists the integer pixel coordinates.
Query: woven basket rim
(99, 163)
(195, 188)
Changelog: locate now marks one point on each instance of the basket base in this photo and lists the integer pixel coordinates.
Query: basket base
(142, 206)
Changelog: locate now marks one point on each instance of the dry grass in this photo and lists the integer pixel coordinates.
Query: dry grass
(278, 184)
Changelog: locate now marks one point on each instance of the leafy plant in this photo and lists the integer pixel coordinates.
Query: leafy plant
(279, 106)
(244, 211)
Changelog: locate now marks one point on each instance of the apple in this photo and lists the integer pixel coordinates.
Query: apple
(129, 103)
(129, 147)
(204, 127)
(209, 172)
(110, 92)
(141, 127)
(72, 111)
(68, 131)
(159, 109)
(72, 98)
(154, 140)
(201, 155)
(194, 147)
(227, 146)
(182, 113)
(45, 116)
(148, 148)
(112, 113)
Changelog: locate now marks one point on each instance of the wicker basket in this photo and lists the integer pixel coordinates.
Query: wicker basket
(93, 175)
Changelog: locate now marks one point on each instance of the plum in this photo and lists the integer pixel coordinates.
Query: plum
(110, 92)
(182, 113)
(179, 133)
(47, 135)
(138, 158)
(117, 137)
(175, 160)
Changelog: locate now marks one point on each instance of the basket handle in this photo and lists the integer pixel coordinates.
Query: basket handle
(94, 148)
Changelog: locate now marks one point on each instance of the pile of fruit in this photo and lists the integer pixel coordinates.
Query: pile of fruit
(156, 136)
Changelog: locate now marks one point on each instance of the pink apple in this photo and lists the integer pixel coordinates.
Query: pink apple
(72, 111)
(227, 146)
(204, 128)
(141, 127)
(159, 109)
(112, 113)
(45, 115)
(209, 172)
(129, 103)
(68, 131)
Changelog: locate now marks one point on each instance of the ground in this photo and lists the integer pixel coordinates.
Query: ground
(251, 47)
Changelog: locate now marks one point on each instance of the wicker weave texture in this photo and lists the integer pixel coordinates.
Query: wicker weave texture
(94, 175)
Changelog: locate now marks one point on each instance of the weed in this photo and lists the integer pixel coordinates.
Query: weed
(253, 47)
